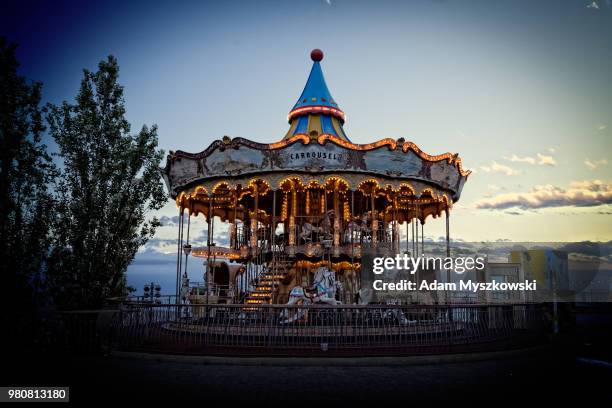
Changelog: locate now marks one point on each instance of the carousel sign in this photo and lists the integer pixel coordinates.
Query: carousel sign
(295, 157)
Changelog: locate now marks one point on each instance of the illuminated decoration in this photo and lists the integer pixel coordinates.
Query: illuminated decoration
(284, 208)
(316, 109)
(284, 143)
(216, 252)
(392, 144)
(346, 212)
(312, 199)
(336, 266)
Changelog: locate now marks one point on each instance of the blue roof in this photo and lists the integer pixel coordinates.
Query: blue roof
(316, 112)
(315, 92)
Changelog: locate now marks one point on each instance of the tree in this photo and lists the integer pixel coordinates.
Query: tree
(26, 171)
(108, 183)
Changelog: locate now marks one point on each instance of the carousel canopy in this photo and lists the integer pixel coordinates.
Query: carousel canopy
(316, 110)
(314, 153)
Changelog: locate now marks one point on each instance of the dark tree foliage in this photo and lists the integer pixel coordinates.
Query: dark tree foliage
(26, 171)
(108, 183)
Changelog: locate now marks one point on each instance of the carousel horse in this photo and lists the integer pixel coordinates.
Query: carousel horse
(326, 224)
(323, 290)
(307, 230)
(354, 227)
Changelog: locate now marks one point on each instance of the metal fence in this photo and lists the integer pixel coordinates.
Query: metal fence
(322, 329)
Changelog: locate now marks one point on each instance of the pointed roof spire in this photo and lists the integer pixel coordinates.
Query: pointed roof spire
(316, 110)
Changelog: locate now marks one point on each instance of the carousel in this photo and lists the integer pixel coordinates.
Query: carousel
(302, 212)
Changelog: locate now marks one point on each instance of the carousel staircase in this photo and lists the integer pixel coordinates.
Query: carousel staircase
(268, 282)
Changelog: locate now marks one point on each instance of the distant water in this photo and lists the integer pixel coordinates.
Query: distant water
(161, 269)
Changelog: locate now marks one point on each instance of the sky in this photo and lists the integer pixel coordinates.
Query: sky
(522, 90)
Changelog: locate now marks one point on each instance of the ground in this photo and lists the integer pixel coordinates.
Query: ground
(546, 374)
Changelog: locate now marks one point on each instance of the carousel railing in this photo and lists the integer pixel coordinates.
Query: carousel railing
(214, 289)
(315, 329)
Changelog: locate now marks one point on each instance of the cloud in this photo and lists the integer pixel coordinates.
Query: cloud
(602, 127)
(578, 194)
(513, 213)
(593, 164)
(526, 159)
(551, 149)
(593, 5)
(499, 168)
(542, 160)
(546, 160)
(169, 221)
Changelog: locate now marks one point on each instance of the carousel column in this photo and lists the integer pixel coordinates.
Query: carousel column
(374, 219)
(416, 244)
(178, 254)
(423, 237)
(234, 226)
(273, 224)
(448, 271)
(284, 218)
(187, 251)
(292, 231)
(412, 221)
(213, 244)
(407, 234)
(322, 204)
(336, 217)
(412, 236)
(255, 219)
(416, 231)
(352, 224)
(208, 238)
(395, 229)
(447, 233)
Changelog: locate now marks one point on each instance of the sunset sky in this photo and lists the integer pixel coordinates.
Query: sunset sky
(521, 90)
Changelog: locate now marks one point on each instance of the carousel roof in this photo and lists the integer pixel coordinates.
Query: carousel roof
(314, 151)
(316, 110)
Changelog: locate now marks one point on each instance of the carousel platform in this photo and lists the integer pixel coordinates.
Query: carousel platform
(333, 330)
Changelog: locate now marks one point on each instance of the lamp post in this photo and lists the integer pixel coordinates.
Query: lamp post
(152, 292)
(185, 283)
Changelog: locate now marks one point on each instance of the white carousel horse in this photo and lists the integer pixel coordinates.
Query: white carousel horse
(307, 230)
(323, 290)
